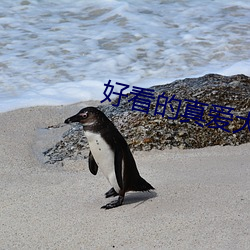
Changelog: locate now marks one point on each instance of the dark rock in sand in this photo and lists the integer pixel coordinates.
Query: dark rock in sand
(147, 131)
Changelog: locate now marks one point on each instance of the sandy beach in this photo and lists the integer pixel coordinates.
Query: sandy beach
(201, 198)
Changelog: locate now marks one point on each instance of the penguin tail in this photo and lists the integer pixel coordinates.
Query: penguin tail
(141, 185)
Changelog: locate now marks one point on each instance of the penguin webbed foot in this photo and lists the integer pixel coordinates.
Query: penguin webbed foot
(115, 203)
(111, 193)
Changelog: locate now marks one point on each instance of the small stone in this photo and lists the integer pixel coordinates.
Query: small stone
(147, 140)
(181, 133)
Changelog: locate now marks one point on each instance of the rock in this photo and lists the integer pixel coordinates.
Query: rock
(147, 131)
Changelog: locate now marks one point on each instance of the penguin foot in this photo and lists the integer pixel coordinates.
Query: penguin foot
(113, 204)
(111, 193)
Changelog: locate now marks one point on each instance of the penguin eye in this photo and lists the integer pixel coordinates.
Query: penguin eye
(84, 115)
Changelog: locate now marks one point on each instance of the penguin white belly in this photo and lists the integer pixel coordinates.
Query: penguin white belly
(104, 157)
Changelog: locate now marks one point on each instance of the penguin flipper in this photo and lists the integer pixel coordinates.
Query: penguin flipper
(118, 166)
(93, 167)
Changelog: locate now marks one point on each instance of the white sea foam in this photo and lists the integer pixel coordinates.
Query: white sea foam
(60, 52)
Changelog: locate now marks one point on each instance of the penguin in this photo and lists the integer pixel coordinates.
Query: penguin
(110, 152)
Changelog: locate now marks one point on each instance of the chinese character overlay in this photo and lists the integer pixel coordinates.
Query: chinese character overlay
(170, 107)
(164, 106)
(108, 86)
(194, 111)
(247, 123)
(111, 88)
(120, 94)
(221, 117)
(141, 100)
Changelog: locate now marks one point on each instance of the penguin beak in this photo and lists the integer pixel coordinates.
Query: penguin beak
(74, 118)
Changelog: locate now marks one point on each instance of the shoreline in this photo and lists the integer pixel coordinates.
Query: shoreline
(201, 198)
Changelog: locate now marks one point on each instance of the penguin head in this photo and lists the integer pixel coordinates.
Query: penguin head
(88, 117)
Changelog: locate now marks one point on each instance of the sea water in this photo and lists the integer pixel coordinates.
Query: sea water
(61, 52)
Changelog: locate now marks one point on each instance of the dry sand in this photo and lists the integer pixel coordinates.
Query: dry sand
(201, 201)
